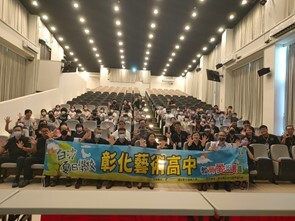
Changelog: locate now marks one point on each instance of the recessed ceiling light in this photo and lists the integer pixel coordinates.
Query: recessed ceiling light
(177, 46)
(181, 37)
(80, 65)
(185, 70)
(120, 43)
(144, 69)
(189, 66)
(35, 3)
(146, 58)
(151, 36)
(187, 27)
(244, 2)
(149, 45)
(94, 49)
(97, 55)
(163, 73)
(147, 52)
(199, 55)
(153, 25)
(116, 8)
(212, 39)
(67, 47)
(83, 69)
(99, 61)
(86, 31)
(156, 11)
(118, 22)
(165, 69)
(201, 0)
(182, 74)
(221, 29)
(231, 16)
(145, 63)
(76, 5)
(121, 51)
(45, 17)
(76, 59)
(194, 61)
(122, 62)
(173, 54)
(53, 28)
(205, 48)
(167, 65)
(103, 65)
(82, 20)
(122, 56)
(119, 33)
(91, 41)
(194, 14)
(72, 53)
(60, 38)
(170, 59)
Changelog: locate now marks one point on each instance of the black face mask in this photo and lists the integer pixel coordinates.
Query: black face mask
(232, 132)
(50, 115)
(221, 139)
(64, 132)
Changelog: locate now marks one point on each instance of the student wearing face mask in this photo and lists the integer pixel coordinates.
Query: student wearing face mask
(121, 141)
(80, 132)
(72, 112)
(52, 122)
(41, 124)
(251, 159)
(43, 115)
(29, 123)
(231, 137)
(18, 147)
(64, 116)
(221, 144)
(95, 117)
(79, 117)
(207, 133)
(96, 138)
(65, 136)
(213, 126)
(56, 111)
(86, 112)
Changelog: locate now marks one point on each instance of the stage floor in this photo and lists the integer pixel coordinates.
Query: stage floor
(258, 187)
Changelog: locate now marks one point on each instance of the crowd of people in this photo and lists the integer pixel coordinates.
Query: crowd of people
(185, 129)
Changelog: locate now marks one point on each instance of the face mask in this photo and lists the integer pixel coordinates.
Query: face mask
(244, 142)
(212, 124)
(79, 129)
(63, 112)
(207, 131)
(234, 116)
(110, 118)
(186, 119)
(221, 139)
(232, 132)
(122, 136)
(125, 118)
(17, 133)
(57, 109)
(64, 132)
(50, 115)
(73, 110)
(97, 136)
(79, 114)
(94, 114)
(101, 111)
(181, 113)
(43, 113)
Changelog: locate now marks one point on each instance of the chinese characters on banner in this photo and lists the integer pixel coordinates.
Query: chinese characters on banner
(128, 163)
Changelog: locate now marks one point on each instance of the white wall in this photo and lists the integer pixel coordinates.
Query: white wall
(71, 85)
(48, 74)
(178, 83)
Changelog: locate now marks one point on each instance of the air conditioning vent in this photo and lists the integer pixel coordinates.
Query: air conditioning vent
(283, 28)
(30, 47)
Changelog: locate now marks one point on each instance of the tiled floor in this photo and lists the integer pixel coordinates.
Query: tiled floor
(259, 187)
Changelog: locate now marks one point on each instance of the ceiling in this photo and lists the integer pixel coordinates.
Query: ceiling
(136, 18)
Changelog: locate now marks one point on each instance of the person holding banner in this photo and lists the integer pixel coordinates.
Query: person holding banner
(64, 130)
(95, 139)
(121, 141)
(179, 137)
(194, 143)
(150, 142)
(219, 145)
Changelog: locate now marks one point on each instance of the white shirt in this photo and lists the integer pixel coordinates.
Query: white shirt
(219, 146)
(116, 135)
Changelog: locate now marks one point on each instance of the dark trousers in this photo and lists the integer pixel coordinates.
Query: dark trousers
(19, 164)
(29, 161)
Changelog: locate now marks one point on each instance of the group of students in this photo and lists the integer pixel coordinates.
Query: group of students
(27, 150)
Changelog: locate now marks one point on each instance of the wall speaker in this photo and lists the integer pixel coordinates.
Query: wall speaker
(263, 71)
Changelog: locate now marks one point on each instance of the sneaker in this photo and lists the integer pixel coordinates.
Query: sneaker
(128, 184)
(15, 184)
(139, 185)
(24, 183)
(151, 186)
(216, 186)
(78, 183)
(98, 184)
(54, 182)
(47, 181)
(227, 187)
(109, 185)
(68, 182)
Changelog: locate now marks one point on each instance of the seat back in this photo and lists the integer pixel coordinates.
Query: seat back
(91, 107)
(279, 151)
(67, 106)
(226, 122)
(240, 123)
(293, 151)
(90, 124)
(185, 146)
(78, 106)
(72, 124)
(207, 146)
(107, 124)
(260, 151)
